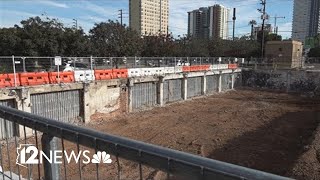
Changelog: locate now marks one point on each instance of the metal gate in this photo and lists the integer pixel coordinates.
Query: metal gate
(144, 95)
(7, 127)
(172, 90)
(226, 81)
(194, 87)
(64, 106)
(212, 84)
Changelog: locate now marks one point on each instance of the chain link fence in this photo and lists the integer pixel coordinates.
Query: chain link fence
(47, 64)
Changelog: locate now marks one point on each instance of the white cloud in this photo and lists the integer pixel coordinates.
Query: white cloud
(105, 12)
(53, 3)
(8, 18)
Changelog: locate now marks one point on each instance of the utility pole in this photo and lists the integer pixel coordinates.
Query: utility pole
(121, 16)
(234, 22)
(263, 17)
(275, 23)
(76, 23)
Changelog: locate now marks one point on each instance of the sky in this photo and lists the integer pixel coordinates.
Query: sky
(89, 12)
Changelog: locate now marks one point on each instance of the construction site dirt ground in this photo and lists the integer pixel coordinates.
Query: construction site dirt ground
(272, 132)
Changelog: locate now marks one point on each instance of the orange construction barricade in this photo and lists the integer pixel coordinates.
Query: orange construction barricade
(186, 68)
(32, 79)
(103, 74)
(7, 80)
(232, 66)
(119, 73)
(65, 77)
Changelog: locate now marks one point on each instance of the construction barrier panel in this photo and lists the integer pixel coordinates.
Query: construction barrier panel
(134, 72)
(233, 66)
(178, 69)
(222, 66)
(64, 77)
(119, 73)
(33, 79)
(214, 67)
(152, 71)
(169, 70)
(103, 74)
(84, 75)
(186, 68)
(7, 80)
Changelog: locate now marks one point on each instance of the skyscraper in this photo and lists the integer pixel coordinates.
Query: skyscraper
(305, 19)
(209, 22)
(149, 17)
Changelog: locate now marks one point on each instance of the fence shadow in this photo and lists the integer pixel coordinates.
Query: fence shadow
(272, 148)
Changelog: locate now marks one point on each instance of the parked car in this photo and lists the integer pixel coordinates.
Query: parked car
(75, 66)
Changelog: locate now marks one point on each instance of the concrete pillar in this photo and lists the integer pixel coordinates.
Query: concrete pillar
(86, 104)
(130, 94)
(204, 84)
(160, 91)
(220, 82)
(232, 80)
(23, 101)
(185, 87)
(288, 81)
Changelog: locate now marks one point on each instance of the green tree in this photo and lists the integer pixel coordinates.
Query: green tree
(114, 40)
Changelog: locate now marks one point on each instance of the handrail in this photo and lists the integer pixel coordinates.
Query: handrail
(171, 161)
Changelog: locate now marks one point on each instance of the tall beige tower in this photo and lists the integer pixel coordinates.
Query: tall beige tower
(149, 17)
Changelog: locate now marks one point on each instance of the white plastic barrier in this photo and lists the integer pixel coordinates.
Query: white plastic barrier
(134, 72)
(89, 75)
(169, 70)
(214, 67)
(84, 75)
(178, 69)
(152, 71)
(222, 66)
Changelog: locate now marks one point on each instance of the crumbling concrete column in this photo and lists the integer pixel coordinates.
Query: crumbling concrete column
(185, 87)
(204, 84)
(130, 93)
(160, 91)
(232, 80)
(220, 82)
(23, 102)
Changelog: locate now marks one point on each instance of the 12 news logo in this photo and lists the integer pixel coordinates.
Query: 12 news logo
(28, 154)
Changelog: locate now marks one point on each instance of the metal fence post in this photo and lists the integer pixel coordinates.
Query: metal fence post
(24, 64)
(14, 71)
(91, 63)
(51, 170)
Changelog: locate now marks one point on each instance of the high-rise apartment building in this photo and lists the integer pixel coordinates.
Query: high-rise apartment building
(209, 22)
(149, 17)
(305, 19)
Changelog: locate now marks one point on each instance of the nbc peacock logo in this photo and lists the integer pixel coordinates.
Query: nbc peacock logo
(101, 157)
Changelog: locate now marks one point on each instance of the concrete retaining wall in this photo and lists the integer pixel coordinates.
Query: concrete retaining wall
(282, 80)
(194, 87)
(172, 90)
(144, 95)
(212, 84)
(76, 102)
(65, 106)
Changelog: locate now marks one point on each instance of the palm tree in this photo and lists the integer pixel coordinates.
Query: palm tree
(252, 23)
